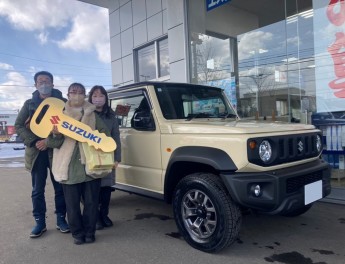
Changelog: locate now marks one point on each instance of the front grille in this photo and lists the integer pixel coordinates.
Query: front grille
(285, 149)
(297, 147)
(295, 183)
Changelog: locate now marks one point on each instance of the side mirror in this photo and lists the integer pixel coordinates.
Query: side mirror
(143, 120)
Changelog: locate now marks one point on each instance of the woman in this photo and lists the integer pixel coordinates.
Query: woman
(69, 169)
(98, 96)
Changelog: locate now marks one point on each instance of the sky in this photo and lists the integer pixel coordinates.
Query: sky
(68, 38)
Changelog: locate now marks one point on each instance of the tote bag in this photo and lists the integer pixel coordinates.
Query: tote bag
(98, 163)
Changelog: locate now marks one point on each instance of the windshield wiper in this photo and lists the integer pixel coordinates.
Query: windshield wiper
(197, 115)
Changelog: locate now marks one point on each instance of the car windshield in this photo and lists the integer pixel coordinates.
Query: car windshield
(189, 102)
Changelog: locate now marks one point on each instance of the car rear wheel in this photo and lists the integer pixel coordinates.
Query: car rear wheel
(205, 214)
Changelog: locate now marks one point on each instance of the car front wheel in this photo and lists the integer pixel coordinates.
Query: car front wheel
(205, 214)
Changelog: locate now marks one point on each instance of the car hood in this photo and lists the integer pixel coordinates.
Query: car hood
(235, 127)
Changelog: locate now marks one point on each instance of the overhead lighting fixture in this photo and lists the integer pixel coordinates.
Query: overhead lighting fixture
(291, 19)
(307, 14)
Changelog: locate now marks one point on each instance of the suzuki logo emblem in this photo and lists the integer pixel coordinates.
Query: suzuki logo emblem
(55, 120)
(300, 146)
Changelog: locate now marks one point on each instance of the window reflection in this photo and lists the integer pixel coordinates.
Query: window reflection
(210, 58)
(146, 63)
(262, 74)
(163, 58)
(264, 51)
(153, 61)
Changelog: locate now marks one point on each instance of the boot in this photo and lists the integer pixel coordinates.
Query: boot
(61, 223)
(40, 227)
(99, 224)
(105, 195)
(106, 221)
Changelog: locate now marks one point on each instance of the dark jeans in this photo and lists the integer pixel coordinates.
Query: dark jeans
(39, 175)
(104, 200)
(82, 225)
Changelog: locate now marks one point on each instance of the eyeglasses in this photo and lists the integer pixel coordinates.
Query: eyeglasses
(43, 82)
(76, 92)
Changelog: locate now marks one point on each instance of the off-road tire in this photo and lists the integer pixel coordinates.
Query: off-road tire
(204, 212)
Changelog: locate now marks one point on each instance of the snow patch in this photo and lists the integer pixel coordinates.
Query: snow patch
(7, 151)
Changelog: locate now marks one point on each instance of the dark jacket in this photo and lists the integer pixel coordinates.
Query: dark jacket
(23, 130)
(110, 120)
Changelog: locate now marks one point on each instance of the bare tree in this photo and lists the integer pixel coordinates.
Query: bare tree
(264, 85)
(204, 52)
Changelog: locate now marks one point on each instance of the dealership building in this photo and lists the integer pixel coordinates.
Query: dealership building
(276, 59)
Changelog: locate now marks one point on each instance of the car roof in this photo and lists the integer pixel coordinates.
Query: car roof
(161, 84)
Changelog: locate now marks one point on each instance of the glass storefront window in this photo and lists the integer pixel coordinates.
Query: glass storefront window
(261, 52)
(208, 57)
(261, 70)
(276, 60)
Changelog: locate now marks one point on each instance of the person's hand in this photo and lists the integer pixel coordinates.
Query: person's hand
(116, 163)
(55, 130)
(41, 145)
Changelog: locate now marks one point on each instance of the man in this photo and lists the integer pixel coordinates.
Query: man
(38, 156)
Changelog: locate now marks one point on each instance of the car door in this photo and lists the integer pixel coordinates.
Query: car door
(140, 165)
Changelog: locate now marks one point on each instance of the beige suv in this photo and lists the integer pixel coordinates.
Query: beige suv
(185, 144)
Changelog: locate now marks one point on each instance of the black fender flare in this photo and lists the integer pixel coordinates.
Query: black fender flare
(216, 158)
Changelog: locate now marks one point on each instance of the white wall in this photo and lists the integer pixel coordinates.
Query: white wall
(231, 21)
(177, 40)
(133, 23)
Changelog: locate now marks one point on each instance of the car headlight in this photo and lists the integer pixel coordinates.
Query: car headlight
(318, 143)
(265, 151)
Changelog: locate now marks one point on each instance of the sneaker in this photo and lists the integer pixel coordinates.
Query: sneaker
(99, 224)
(38, 230)
(107, 222)
(61, 224)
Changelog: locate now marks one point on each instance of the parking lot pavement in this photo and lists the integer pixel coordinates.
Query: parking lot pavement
(144, 232)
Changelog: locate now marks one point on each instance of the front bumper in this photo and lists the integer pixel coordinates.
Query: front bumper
(282, 190)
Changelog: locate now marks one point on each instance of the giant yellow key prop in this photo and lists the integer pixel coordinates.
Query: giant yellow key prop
(50, 113)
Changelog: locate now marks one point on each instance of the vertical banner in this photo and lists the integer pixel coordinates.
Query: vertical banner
(329, 46)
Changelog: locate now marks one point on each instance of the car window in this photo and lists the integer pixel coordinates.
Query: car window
(128, 107)
(183, 102)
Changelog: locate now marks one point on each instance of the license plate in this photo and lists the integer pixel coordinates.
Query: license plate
(312, 192)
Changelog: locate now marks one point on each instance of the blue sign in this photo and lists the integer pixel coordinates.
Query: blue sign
(211, 4)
